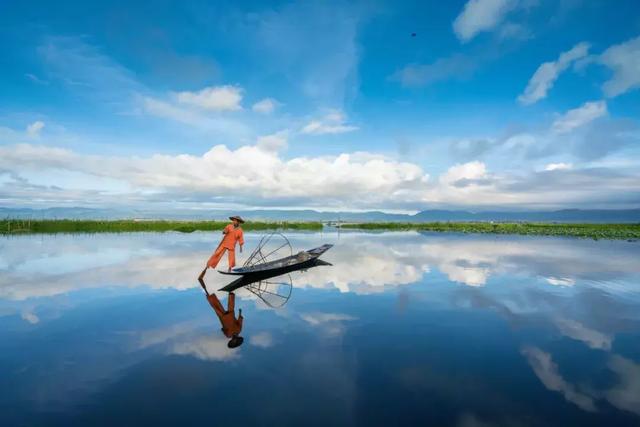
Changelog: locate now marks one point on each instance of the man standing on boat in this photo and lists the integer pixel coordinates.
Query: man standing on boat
(231, 235)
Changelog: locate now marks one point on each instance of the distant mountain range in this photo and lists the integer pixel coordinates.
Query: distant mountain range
(565, 215)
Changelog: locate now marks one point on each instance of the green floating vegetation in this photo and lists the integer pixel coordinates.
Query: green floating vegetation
(22, 226)
(593, 231)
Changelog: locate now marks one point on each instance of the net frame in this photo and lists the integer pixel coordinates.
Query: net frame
(262, 253)
(274, 293)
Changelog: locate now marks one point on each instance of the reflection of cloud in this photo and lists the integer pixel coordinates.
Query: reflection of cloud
(547, 371)
(185, 338)
(205, 348)
(367, 273)
(263, 340)
(470, 420)
(332, 324)
(320, 318)
(38, 266)
(168, 272)
(560, 281)
(471, 260)
(471, 276)
(50, 265)
(30, 317)
(626, 394)
(163, 335)
(368, 263)
(576, 330)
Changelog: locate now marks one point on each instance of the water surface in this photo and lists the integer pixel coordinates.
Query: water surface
(405, 328)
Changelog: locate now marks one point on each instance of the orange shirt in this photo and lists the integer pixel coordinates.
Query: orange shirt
(231, 325)
(231, 236)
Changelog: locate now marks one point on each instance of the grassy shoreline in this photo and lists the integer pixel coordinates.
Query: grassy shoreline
(25, 226)
(593, 231)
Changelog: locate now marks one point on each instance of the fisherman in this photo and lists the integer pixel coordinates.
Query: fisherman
(231, 327)
(232, 234)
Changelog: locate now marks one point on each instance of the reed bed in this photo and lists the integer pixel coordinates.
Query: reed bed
(593, 231)
(17, 226)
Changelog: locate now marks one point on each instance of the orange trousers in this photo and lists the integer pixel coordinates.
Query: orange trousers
(217, 256)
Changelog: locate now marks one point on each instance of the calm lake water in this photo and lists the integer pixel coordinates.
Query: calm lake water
(404, 329)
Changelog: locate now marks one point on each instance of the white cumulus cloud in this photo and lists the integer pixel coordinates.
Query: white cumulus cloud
(259, 175)
(262, 174)
(580, 116)
(467, 171)
(334, 122)
(217, 98)
(274, 142)
(558, 166)
(193, 118)
(265, 106)
(624, 61)
(33, 130)
(546, 74)
(480, 15)
(456, 66)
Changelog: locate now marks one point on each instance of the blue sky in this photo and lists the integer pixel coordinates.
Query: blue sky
(510, 104)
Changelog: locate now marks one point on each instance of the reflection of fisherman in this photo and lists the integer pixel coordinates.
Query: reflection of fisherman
(232, 233)
(231, 327)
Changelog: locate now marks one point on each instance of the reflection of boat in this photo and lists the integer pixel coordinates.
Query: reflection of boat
(261, 266)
